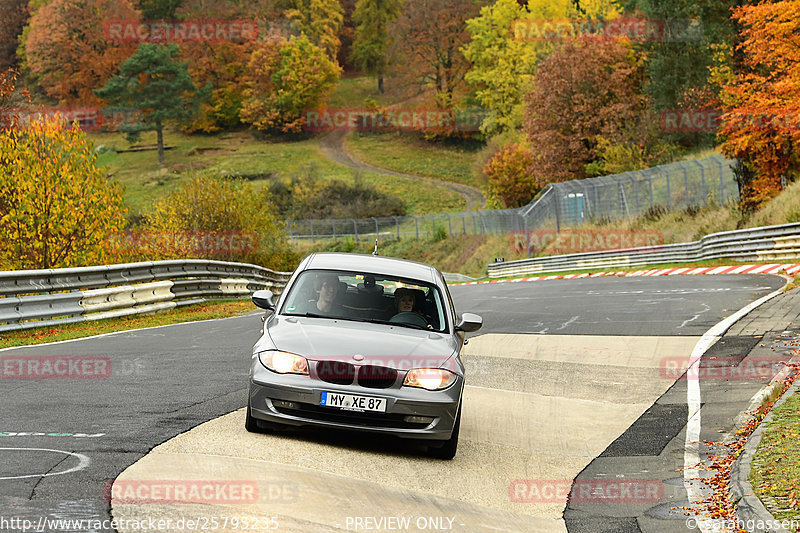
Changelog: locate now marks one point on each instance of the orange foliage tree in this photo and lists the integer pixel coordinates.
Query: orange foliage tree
(57, 208)
(510, 178)
(69, 52)
(761, 103)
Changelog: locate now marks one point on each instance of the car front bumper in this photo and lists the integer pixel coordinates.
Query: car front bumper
(294, 400)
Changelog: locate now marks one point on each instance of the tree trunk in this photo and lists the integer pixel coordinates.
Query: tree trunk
(380, 84)
(160, 134)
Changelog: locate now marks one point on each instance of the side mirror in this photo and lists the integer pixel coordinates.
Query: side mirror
(263, 299)
(469, 323)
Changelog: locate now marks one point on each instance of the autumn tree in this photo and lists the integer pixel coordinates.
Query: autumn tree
(68, 51)
(224, 64)
(57, 208)
(319, 20)
(429, 36)
(285, 80)
(584, 90)
(510, 179)
(760, 126)
(370, 47)
(15, 16)
(157, 86)
(504, 58)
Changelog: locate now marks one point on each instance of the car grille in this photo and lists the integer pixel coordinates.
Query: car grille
(353, 418)
(376, 377)
(336, 372)
(369, 376)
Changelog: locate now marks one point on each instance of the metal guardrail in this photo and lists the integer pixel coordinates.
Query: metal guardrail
(758, 244)
(35, 298)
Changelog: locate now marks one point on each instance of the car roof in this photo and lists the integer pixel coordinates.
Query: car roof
(372, 264)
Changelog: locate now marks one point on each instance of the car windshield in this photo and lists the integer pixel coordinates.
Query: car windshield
(367, 297)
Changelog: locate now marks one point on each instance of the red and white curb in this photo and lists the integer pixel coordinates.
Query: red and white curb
(736, 269)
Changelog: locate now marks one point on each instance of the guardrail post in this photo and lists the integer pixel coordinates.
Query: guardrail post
(397, 223)
(416, 223)
(464, 223)
(355, 228)
(557, 209)
(333, 229)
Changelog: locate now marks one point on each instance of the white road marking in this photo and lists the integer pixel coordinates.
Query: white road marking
(568, 322)
(691, 454)
(695, 317)
(83, 462)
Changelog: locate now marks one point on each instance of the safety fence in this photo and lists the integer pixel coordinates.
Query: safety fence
(35, 298)
(675, 186)
(769, 243)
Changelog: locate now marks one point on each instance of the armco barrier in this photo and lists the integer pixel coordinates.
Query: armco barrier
(34, 298)
(758, 244)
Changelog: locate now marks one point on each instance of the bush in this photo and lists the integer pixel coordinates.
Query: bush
(212, 218)
(309, 197)
(510, 178)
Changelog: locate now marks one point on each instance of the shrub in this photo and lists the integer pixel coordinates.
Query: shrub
(510, 178)
(212, 218)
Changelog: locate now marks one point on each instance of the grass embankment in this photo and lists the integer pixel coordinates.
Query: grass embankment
(241, 154)
(776, 467)
(410, 155)
(204, 311)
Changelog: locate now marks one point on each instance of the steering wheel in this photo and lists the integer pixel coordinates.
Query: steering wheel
(409, 317)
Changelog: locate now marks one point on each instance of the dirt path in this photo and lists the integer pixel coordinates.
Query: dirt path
(333, 147)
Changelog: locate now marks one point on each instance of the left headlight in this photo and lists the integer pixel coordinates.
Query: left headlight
(429, 378)
(284, 362)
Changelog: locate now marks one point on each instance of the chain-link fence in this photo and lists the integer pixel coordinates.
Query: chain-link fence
(672, 187)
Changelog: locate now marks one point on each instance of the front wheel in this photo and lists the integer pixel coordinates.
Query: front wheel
(448, 449)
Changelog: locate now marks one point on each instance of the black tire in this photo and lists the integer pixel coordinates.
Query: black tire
(447, 450)
(254, 425)
(250, 423)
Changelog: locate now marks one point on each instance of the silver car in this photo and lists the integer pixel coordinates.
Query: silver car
(364, 343)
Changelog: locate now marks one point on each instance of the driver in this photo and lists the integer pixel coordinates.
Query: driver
(406, 302)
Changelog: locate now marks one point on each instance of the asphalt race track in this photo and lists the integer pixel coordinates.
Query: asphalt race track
(566, 380)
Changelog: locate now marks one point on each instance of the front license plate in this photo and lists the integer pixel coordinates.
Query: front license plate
(352, 403)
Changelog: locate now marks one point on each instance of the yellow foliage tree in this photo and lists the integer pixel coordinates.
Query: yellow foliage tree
(57, 208)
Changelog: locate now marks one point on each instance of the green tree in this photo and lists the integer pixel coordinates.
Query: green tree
(677, 64)
(159, 9)
(504, 62)
(157, 86)
(285, 80)
(372, 18)
(57, 208)
(320, 21)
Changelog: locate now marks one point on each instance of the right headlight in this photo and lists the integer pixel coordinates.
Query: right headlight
(429, 378)
(284, 362)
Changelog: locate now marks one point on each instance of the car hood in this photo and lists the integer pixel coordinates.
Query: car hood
(340, 340)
